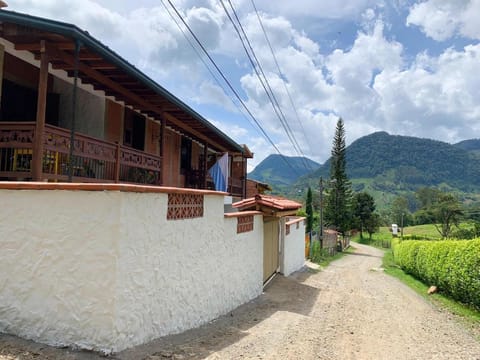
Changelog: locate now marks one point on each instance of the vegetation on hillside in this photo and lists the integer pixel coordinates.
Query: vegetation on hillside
(278, 170)
(387, 166)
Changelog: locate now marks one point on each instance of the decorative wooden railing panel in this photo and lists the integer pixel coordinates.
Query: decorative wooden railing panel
(139, 167)
(16, 144)
(94, 160)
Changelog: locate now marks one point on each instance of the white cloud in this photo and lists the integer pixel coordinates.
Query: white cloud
(322, 88)
(206, 24)
(442, 19)
(435, 97)
(210, 93)
(326, 9)
(89, 15)
(233, 130)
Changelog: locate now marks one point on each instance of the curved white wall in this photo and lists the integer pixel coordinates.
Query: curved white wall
(105, 270)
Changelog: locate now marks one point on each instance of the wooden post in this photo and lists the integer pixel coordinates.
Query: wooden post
(74, 112)
(117, 163)
(244, 176)
(204, 165)
(37, 156)
(162, 145)
(2, 58)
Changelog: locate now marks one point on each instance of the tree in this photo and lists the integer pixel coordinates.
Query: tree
(372, 224)
(309, 210)
(363, 208)
(447, 212)
(427, 197)
(337, 209)
(400, 213)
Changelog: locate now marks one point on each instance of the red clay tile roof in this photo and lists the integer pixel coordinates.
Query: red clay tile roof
(274, 202)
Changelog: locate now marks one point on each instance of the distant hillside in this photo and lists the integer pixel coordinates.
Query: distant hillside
(389, 165)
(472, 144)
(274, 170)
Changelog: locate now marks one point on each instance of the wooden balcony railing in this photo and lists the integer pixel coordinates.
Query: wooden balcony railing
(94, 160)
(235, 187)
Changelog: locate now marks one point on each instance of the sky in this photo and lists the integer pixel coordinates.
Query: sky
(402, 66)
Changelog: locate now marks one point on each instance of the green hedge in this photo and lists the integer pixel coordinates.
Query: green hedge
(452, 265)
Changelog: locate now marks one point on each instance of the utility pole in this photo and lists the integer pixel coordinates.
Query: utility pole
(321, 211)
(401, 228)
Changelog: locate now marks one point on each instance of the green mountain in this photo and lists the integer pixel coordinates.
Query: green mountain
(278, 170)
(469, 145)
(390, 165)
(472, 146)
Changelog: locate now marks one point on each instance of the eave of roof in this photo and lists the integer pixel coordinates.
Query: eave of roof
(72, 31)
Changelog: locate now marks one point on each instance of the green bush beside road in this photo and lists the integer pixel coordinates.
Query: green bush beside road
(451, 265)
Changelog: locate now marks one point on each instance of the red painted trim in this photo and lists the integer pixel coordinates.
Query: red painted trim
(241, 213)
(291, 222)
(20, 185)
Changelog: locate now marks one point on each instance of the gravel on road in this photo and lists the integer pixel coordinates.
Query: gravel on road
(349, 310)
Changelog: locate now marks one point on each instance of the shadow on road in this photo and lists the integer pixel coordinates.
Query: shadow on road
(286, 294)
(282, 294)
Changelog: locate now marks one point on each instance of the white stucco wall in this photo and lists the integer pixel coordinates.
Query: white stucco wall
(294, 248)
(105, 270)
(179, 274)
(57, 265)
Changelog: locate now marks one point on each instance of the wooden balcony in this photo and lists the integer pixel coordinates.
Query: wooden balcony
(196, 179)
(94, 160)
(235, 187)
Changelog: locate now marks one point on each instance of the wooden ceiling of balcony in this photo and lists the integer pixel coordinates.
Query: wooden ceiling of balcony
(119, 80)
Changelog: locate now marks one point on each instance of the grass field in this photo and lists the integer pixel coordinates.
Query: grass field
(428, 231)
(380, 239)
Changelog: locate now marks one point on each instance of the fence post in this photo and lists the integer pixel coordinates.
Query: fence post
(117, 163)
(311, 244)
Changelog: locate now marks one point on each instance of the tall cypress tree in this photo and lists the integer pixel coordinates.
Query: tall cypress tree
(338, 202)
(309, 210)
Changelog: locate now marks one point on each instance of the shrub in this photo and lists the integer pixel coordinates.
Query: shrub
(453, 266)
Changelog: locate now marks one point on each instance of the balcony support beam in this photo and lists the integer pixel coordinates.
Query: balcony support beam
(37, 155)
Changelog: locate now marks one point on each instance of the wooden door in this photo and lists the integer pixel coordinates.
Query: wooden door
(270, 248)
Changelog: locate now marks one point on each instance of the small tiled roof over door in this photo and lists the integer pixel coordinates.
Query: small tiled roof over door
(268, 202)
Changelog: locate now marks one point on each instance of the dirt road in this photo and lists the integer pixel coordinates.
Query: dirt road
(351, 310)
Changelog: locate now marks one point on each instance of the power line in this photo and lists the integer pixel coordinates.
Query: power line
(281, 77)
(264, 80)
(229, 84)
(205, 63)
